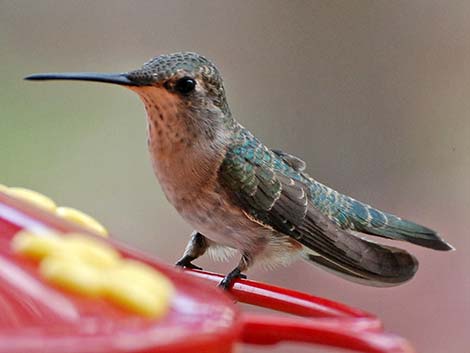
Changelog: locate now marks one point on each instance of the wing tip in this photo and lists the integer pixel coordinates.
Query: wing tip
(432, 241)
(411, 232)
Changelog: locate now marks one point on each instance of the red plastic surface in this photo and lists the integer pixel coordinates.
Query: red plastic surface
(35, 317)
(323, 321)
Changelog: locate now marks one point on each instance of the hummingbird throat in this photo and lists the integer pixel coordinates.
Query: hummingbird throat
(182, 153)
(167, 132)
(175, 125)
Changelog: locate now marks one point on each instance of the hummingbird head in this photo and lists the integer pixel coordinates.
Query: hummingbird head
(188, 77)
(183, 95)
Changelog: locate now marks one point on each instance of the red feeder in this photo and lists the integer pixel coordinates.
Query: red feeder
(35, 317)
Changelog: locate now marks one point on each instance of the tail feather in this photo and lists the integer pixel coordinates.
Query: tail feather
(396, 266)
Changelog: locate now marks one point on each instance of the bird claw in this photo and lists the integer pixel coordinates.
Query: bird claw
(227, 282)
(187, 264)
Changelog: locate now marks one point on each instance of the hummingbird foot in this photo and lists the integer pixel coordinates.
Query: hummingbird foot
(185, 262)
(227, 282)
(196, 247)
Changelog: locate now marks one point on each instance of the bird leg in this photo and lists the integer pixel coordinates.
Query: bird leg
(243, 265)
(196, 247)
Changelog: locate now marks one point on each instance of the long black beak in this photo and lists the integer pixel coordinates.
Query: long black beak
(117, 78)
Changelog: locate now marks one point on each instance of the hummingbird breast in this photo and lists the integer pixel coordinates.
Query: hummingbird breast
(197, 196)
(186, 163)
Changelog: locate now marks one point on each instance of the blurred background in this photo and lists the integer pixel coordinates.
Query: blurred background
(373, 95)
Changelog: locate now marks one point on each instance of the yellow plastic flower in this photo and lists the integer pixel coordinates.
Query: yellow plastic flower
(34, 197)
(90, 267)
(81, 218)
(68, 213)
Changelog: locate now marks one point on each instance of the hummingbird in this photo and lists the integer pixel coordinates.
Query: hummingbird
(241, 196)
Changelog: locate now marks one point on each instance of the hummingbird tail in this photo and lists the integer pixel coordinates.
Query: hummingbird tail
(378, 266)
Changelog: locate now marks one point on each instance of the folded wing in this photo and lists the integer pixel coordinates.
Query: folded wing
(273, 196)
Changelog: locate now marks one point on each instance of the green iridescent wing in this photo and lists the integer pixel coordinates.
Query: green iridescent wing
(351, 214)
(272, 191)
(294, 162)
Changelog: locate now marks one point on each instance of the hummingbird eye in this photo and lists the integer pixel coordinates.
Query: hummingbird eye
(185, 85)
